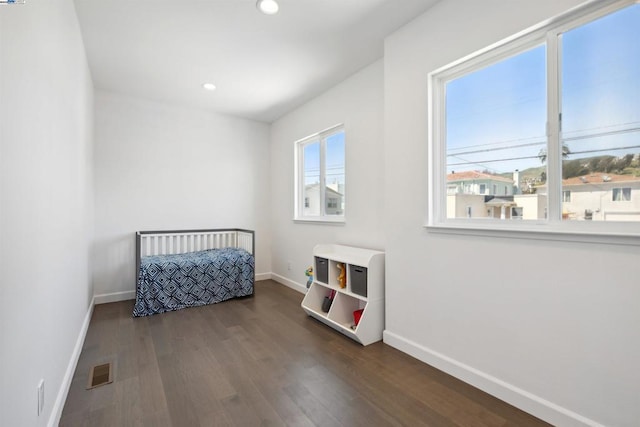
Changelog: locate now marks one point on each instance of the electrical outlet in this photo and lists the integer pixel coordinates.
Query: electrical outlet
(40, 397)
(289, 265)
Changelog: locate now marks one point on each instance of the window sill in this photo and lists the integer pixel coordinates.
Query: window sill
(540, 231)
(321, 220)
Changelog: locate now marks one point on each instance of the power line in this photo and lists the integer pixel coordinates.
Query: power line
(575, 138)
(604, 127)
(497, 143)
(601, 134)
(537, 157)
(542, 139)
(495, 160)
(605, 149)
(486, 150)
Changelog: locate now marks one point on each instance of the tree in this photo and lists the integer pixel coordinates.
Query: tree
(593, 164)
(625, 161)
(606, 164)
(573, 168)
(543, 177)
(542, 155)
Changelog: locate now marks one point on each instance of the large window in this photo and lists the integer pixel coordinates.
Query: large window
(320, 176)
(550, 118)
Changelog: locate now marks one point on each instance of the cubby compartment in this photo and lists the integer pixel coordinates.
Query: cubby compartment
(334, 274)
(315, 297)
(343, 310)
(364, 290)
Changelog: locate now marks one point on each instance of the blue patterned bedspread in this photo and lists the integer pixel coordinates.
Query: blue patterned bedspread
(172, 282)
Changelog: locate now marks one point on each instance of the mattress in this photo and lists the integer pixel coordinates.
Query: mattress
(172, 282)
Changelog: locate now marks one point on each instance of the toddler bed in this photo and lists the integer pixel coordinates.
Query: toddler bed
(190, 268)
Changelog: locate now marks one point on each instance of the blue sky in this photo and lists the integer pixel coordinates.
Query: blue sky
(335, 160)
(499, 112)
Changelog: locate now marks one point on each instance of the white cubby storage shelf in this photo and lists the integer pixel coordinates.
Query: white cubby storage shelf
(364, 269)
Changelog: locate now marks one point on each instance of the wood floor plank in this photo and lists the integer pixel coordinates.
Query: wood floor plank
(314, 409)
(282, 403)
(261, 361)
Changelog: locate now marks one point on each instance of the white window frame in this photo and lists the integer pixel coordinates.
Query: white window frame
(516, 212)
(299, 199)
(552, 226)
(620, 191)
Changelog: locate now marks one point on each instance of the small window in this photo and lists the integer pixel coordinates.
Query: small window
(320, 176)
(621, 194)
(483, 188)
(516, 213)
(566, 196)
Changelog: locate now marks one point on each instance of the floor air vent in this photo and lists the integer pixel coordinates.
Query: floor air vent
(100, 375)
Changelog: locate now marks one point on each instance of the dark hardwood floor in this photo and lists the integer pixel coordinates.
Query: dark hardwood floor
(261, 361)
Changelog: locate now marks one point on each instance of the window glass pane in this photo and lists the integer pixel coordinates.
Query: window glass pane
(311, 189)
(335, 174)
(621, 195)
(600, 84)
(496, 139)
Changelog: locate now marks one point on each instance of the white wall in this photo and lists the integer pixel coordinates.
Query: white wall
(552, 326)
(46, 114)
(161, 167)
(358, 103)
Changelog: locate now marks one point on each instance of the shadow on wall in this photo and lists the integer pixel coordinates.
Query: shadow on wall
(114, 264)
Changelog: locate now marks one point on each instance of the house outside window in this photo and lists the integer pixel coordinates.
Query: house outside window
(532, 105)
(320, 176)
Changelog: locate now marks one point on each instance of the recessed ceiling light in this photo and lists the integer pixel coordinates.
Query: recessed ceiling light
(269, 7)
(209, 86)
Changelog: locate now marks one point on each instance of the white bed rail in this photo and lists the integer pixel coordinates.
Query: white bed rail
(183, 241)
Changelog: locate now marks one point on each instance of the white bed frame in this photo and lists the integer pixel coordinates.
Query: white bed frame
(184, 241)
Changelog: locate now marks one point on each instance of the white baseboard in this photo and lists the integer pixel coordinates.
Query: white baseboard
(61, 398)
(263, 276)
(289, 283)
(114, 297)
(522, 399)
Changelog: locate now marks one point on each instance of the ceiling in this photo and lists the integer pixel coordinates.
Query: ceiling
(263, 66)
